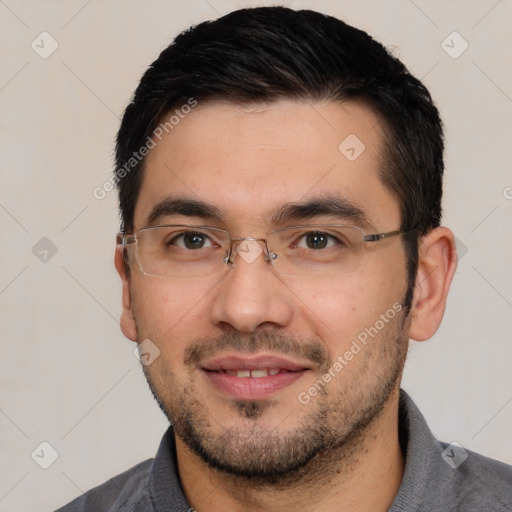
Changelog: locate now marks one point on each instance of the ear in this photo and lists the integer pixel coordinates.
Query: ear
(437, 261)
(128, 325)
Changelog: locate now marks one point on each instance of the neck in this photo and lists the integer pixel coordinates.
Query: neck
(362, 475)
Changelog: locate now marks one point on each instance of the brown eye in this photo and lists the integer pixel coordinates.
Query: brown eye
(316, 240)
(191, 240)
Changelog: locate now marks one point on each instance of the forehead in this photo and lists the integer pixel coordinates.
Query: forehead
(246, 161)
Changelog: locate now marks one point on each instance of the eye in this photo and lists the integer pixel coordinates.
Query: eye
(317, 240)
(191, 240)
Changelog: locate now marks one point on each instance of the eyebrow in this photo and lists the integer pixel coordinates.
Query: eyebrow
(186, 207)
(325, 205)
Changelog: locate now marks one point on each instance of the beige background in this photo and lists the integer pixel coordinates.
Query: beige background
(68, 377)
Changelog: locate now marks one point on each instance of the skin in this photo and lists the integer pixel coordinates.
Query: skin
(248, 161)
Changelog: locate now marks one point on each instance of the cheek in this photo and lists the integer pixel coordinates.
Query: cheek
(334, 312)
(168, 312)
(338, 313)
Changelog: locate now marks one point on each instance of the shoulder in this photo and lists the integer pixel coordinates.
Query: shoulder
(128, 491)
(446, 477)
(480, 481)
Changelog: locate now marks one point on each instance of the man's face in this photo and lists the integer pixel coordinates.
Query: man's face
(248, 163)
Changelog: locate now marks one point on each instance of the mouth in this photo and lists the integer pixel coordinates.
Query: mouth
(252, 378)
(255, 374)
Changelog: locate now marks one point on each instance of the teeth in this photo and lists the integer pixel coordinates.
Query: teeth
(252, 373)
(259, 373)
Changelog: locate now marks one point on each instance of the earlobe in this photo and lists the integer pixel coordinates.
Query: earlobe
(437, 261)
(127, 321)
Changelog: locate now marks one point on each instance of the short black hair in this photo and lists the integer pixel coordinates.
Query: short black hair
(264, 54)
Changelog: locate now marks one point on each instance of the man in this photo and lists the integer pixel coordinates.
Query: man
(280, 182)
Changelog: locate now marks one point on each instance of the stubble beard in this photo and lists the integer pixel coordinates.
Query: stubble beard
(330, 433)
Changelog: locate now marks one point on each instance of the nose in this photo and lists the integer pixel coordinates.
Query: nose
(251, 295)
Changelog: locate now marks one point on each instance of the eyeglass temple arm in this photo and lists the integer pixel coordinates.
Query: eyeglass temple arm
(381, 236)
(124, 240)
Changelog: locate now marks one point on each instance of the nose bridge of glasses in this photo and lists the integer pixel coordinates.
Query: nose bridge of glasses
(249, 249)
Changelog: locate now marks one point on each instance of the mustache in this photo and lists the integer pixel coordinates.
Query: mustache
(275, 343)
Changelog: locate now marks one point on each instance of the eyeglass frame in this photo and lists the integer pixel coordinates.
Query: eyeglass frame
(126, 239)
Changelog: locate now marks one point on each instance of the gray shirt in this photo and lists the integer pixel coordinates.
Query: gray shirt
(438, 478)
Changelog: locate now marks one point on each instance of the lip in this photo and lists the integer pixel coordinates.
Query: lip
(260, 362)
(251, 388)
